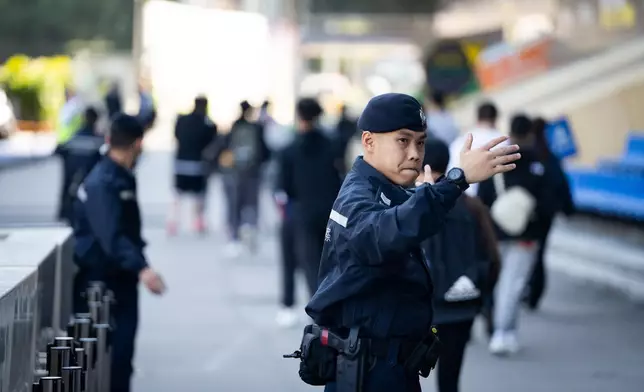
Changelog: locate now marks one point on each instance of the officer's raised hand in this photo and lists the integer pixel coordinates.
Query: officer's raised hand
(152, 280)
(479, 164)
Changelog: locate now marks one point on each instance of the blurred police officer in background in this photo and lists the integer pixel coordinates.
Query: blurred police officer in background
(465, 262)
(309, 176)
(108, 242)
(79, 155)
(194, 133)
(244, 153)
(520, 201)
(373, 275)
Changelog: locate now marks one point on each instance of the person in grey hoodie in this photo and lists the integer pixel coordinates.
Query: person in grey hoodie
(464, 262)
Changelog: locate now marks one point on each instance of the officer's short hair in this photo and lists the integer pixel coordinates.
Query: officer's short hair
(520, 126)
(308, 109)
(436, 155)
(487, 111)
(125, 130)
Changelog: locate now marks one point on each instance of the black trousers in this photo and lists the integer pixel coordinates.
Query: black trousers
(126, 321)
(289, 261)
(538, 280)
(309, 237)
(454, 338)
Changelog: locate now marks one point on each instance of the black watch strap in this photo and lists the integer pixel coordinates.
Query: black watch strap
(457, 177)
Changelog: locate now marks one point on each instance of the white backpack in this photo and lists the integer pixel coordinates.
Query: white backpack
(512, 208)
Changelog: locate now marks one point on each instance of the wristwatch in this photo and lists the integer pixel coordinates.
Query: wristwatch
(457, 177)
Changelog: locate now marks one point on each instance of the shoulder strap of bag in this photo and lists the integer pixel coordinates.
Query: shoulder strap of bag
(499, 184)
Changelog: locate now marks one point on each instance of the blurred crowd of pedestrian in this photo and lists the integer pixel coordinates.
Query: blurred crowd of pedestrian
(502, 224)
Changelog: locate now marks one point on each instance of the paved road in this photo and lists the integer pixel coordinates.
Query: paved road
(215, 331)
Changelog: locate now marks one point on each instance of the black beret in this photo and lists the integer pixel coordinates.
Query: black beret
(391, 112)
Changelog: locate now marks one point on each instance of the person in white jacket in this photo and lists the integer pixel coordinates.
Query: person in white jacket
(484, 131)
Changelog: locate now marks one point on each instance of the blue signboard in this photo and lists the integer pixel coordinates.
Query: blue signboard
(561, 139)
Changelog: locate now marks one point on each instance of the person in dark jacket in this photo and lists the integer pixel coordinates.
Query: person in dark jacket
(464, 271)
(526, 192)
(244, 152)
(79, 155)
(108, 242)
(346, 130)
(309, 176)
(373, 276)
(194, 133)
(563, 199)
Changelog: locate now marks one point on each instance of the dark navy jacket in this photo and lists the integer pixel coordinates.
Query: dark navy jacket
(309, 175)
(107, 228)
(373, 273)
(81, 152)
(79, 155)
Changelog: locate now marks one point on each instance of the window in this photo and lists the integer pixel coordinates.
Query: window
(374, 6)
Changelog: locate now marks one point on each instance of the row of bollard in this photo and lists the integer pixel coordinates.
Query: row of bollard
(80, 361)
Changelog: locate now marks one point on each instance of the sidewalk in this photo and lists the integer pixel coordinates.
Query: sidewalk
(215, 329)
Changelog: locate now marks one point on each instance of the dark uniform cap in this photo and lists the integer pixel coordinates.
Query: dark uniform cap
(391, 112)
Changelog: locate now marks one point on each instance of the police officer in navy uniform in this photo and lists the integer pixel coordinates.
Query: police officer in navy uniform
(373, 274)
(79, 155)
(109, 246)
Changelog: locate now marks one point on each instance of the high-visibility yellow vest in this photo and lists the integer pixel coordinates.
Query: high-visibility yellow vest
(65, 131)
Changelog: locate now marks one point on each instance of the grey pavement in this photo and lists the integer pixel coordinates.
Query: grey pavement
(214, 330)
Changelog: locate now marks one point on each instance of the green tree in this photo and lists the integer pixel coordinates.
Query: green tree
(45, 27)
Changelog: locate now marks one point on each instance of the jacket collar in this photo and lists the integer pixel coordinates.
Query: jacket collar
(388, 193)
(118, 169)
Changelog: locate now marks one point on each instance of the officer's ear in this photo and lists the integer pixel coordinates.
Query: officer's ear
(368, 141)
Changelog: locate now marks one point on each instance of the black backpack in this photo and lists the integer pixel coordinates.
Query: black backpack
(245, 145)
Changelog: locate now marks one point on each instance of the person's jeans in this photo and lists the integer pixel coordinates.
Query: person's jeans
(518, 259)
(242, 196)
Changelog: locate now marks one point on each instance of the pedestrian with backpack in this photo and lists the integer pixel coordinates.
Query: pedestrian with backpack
(519, 202)
(244, 154)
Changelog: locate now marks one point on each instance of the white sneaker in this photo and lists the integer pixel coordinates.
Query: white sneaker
(286, 318)
(497, 343)
(234, 250)
(511, 342)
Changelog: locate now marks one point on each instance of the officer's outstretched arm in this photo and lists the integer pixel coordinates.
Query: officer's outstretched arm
(104, 216)
(376, 231)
